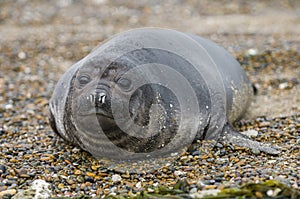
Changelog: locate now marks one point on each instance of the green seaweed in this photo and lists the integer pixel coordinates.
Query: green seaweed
(250, 190)
(247, 191)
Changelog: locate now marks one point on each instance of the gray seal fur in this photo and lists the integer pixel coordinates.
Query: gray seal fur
(149, 92)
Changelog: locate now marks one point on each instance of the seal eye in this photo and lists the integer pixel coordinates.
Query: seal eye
(124, 84)
(84, 79)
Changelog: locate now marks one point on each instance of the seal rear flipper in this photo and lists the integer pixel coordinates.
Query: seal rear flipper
(230, 135)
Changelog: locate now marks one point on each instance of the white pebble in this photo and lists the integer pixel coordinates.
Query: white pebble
(273, 193)
(200, 183)
(30, 112)
(138, 185)
(150, 190)
(250, 133)
(27, 70)
(252, 51)
(116, 178)
(204, 193)
(193, 190)
(22, 55)
(270, 192)
(271, 161)
(179, 173)
(113, 189)
(283, 86)
(8, 106)
(39, 189)
(42, 189)
(174, 154)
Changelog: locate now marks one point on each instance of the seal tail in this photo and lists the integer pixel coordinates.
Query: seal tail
(230, 135)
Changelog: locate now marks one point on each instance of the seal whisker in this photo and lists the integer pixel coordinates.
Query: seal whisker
(92, 98)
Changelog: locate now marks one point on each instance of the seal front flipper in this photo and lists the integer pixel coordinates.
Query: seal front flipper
(230, 135)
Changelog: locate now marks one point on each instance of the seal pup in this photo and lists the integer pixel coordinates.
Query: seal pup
(149, 92)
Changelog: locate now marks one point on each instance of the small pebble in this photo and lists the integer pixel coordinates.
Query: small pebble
(219, 145)
(138, 185)
(255, 151)
(252, 52)
(273, 193)
(193, 190)
(22, 55)
(179, 173)
(150, 190)
(264, 124)
(8, 191)
(258, 194)
(116, 178)
(197, 152)
(250, 133)
(283, 86)
(9, 106)
(2, 168)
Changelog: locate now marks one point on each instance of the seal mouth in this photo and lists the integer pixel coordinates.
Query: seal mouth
(97, 112)
(95, 104)
(102, 113)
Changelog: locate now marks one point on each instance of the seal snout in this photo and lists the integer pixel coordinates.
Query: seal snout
(98, 98)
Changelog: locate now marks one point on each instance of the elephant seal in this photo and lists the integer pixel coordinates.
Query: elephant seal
(149, 92)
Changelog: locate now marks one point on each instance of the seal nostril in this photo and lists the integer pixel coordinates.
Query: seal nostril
(102, 97)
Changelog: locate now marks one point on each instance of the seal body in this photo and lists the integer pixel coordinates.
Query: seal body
(149, 92)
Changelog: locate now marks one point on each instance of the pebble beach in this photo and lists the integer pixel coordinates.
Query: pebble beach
(39, 40)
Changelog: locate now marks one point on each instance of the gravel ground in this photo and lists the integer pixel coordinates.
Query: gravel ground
(41, 39)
